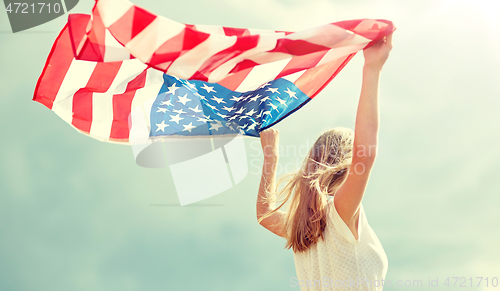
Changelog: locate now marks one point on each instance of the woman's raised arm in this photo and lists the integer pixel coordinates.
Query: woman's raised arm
(269, 140)
(348, 197)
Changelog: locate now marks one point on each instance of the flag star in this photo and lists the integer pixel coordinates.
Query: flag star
(266, 84)
(251, 126)
(244, 117)
(251, 112)
(179, 111)
(241, 110)
(176, 118)
(264, 99)
(169, 102)
(204, 119)
(208, 89)
(184, 99)
(161, 126)
(199, 95)
(172, 89)
(192, 86)
(218, 100)
(207, 117)
(164, 110)
(232, 117)
(196, 109)
(274, 90)
(213, 107)
(237, 99)
(273, 106)
(260, 114)
(215, 126)
(228, 109)
(221, 115)
(282, 102)
(290, 93)
(188, 127)
(255, 98)
(267, 113)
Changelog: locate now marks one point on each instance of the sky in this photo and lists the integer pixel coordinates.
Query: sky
(79, 214)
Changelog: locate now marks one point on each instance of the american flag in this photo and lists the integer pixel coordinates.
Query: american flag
(124, 74)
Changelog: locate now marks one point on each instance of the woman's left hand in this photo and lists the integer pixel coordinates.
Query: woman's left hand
(269, 139)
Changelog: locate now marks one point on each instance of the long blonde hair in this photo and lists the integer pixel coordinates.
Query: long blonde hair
(323, 171)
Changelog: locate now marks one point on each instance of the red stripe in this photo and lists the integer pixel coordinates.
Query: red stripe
(56, 66)
(169, 51)
(101, 79)
(131, 24)
(233, 81)
(297, 47)
(122, 106)
(94, 47)
(244, 65)
(230, 31)
(285, 32)
(315, 79)
(299, 63)
(77, 25)
(241, 45)
(378, 28)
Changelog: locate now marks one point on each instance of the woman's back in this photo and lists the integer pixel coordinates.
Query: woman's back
(339, 261)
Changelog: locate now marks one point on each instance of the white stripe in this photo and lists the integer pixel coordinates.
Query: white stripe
(76, 77)
(102, 103)
(261, 74)
(187, 64)
(211, 29)
(265, 43)
(141, 107)
(144, 44)
(293, 77)
(114, 51)
(254, 31)
(336, 53)
(326, 35)
(112, 10)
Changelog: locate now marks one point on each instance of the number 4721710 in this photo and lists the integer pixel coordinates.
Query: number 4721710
(464, 282)
(30, 8)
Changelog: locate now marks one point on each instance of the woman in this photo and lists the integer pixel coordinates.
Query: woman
(325, 224)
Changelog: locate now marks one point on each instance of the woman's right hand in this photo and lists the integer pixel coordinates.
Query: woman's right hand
(377, 54)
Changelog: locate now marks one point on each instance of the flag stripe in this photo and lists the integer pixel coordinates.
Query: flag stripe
(315, 79)
(112, 10)
(262, 74)
(102, 102)
(122, 105)
(135, 17)
(146, 42)
(300, 63)
(100, 81)
(76, 77)
(53, 74)
(187, 64)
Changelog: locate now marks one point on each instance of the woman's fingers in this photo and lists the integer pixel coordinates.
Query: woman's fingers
(269, 140)
(389, 39)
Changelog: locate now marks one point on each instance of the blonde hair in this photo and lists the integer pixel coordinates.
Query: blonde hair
(323, 171)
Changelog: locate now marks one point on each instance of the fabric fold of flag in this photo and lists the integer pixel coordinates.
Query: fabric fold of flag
(124, 74)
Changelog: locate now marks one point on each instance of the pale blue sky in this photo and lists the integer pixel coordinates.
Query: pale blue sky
(76, 214)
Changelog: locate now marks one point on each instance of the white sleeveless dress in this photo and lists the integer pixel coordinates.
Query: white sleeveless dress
(339, 261)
